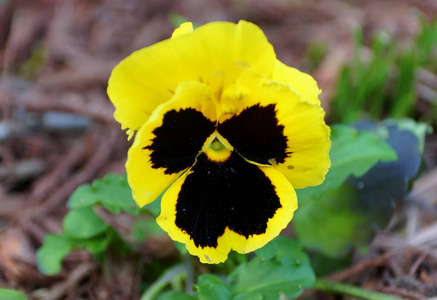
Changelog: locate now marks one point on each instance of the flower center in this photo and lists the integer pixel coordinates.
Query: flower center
(217, 151)
(216, 145)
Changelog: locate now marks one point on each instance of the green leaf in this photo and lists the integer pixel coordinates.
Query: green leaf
(427, 40)
(113, 192)
(96, 244)
(181, 247)
(283, 248)
(281, 268)
(83, 223)
(175, 295)
(211, 287)
(270, 279)
(420, 130)
(210, 279)
(49, 257)
(405, 94)
(352, 153)
(9, 294)
(248, 296)
(154, 208)
(145, 227)
(329, 225)
(349, 216)
(324, 265)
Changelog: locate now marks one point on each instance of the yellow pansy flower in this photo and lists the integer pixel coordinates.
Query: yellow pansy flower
(225, 129)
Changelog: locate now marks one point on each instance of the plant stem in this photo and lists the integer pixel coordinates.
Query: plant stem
(189, 281)
(158, 285)
(350, 290)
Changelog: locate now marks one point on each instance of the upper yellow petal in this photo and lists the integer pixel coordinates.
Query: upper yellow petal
(303, 124)
(146, 179)
(214, 53)
(300, 82)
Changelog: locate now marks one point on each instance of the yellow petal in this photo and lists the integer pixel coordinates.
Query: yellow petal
(168, 143)
(300, 82)
(217, 207)
(277, 111)
(214, 54)
(184, 28)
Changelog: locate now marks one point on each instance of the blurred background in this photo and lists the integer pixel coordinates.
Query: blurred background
(372, 59)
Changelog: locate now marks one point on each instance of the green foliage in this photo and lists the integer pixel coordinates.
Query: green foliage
(145, 227)
(84, 228)
(279, 268)
(175, 295)
(383, 85)
(282, 248)
(112, 192)
(341, 288)
(210, 287)
(270, 278)
(324, 265)
(49, 257)
(315, 54)
(318, 230)
(56, 247)
(352, 153)
(426, 42)
(83, 223)
(420, 130)
(9, 294)
(353, 192)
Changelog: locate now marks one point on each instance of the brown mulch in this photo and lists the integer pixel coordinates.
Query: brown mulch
(56, 57)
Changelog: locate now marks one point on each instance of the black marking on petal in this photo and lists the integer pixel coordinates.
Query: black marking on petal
(179, 139)
(233, 194)
(256, 134)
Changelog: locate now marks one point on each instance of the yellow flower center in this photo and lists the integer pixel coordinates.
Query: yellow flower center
(216, 145)
(217, 151)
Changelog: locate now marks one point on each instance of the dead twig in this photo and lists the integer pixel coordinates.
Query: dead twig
(426, 236)
(23, 169)
(417, 263)
(62, 288)
(86, 73)
(99, 159)
(396, 291)
(36, 100)
(62, 170)
(360, 267)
